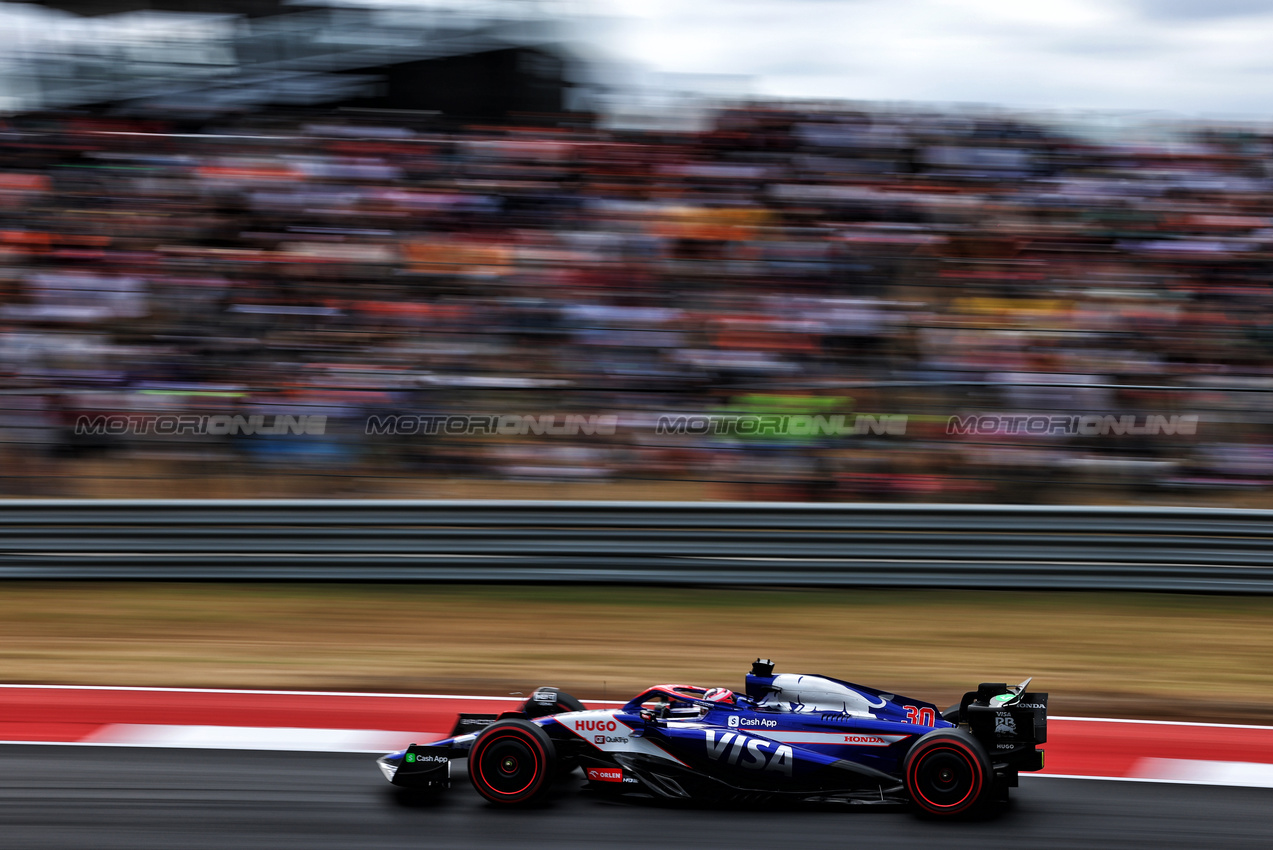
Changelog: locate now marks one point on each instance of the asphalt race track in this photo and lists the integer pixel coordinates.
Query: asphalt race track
(142, 798)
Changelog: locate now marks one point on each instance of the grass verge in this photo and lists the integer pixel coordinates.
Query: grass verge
(1133, 655)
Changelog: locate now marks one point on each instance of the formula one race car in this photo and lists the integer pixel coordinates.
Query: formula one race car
(791, 737)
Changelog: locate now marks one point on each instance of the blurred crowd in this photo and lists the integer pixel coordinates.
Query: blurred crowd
(868, 262)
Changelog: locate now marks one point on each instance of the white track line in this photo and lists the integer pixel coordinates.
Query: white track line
(1033, 776)
(285, 739)
(1160, 722)
(511, 696)
(291, 739)
(514, 697)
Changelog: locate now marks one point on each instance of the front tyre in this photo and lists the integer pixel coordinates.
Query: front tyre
(947, 773)
(512, 763)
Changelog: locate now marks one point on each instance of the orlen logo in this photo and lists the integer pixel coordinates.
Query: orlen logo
(604, 774)
(595, 726)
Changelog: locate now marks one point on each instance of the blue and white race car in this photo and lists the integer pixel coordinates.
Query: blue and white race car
(789, 737)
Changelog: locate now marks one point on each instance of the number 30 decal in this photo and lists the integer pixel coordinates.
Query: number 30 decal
(921, 716)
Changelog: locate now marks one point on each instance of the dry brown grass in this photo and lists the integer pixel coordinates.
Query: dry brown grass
(1112, 654)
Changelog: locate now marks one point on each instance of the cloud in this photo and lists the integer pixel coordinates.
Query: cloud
(1173, 55)
(1190, 10)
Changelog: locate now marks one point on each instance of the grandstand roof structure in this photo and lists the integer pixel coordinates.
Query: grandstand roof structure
(204, 57)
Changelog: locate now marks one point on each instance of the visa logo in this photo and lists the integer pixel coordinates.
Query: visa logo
(734, 748)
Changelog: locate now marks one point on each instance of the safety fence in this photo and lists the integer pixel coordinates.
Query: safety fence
(699, 543)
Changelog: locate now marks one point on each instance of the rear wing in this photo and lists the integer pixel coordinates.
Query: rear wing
(1009, 721)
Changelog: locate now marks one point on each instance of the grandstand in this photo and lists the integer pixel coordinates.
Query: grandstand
(200, 58)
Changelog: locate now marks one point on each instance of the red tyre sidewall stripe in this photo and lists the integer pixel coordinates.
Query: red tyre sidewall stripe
(965, 753)
(542, 757)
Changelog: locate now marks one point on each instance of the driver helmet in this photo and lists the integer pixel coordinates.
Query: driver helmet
(719, 695)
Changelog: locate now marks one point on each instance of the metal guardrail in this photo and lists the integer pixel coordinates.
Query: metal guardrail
(700, 543)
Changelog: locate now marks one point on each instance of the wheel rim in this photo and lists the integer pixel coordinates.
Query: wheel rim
(507, 765)
(946, 778)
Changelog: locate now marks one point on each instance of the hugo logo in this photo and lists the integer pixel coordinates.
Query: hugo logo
(595, 726)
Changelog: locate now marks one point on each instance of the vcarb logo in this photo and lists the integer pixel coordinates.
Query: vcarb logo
(596, 726)
(752, 753)
(604, 774)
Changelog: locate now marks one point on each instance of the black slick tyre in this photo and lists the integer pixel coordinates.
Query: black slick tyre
(565, 702)
(512, 763)
(548, 700)
(947, 773)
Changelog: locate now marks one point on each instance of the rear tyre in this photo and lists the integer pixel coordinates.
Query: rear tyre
(947, 773)
(548, 700)
(512, 763)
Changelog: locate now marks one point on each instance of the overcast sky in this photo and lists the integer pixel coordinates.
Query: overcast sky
(1191, 57)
